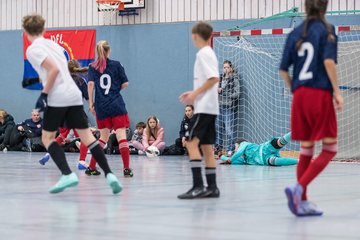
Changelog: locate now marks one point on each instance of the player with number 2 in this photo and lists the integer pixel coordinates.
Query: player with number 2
(107, 77)
(312, 50)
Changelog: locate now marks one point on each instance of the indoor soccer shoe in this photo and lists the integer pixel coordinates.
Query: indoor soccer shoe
(44, 159)
(91, 172)
(211, 193)
(65, 181)
(195, 192)
(82, 166)
(308, 209)
(293, 195)
(114, 183)
(128, 172)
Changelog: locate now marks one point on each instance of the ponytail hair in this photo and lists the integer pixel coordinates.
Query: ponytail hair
(315, 10)
(74, 67)
(102, 49)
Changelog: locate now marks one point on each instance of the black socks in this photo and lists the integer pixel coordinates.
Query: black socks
(197, 177)
(98, 154)
(196, 172)
(58, 155)
(211, 177)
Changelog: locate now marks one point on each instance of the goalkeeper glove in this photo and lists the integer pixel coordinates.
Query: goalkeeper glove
(41, 103)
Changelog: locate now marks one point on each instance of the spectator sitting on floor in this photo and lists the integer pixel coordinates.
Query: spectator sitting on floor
(153, 135)
(137, 137)
(179, 147)
(185, 126)
(25, 136)
(6, 125)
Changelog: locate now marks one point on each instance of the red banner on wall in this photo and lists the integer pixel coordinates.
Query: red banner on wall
(77, 44)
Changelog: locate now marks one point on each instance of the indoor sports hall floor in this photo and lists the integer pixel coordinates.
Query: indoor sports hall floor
(252, 204)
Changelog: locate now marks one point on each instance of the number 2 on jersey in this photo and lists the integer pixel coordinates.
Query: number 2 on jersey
(105, 83)
(305, 74)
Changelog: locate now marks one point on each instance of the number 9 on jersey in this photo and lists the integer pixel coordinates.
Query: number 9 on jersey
(105, 83)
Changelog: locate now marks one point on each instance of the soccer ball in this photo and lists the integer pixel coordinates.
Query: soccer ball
(152, 152)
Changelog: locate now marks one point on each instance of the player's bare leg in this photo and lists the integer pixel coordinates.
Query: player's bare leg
(68, 178)
(98, 153)
(124, 151)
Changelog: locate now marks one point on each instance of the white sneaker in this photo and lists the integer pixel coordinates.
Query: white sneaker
(141, 152)
(5, 150)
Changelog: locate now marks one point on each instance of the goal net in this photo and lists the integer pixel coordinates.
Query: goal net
(262, 109)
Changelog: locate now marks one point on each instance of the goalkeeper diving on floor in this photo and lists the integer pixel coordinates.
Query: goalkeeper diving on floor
(265, 154)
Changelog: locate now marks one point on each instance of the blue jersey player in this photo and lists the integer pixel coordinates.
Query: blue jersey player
(266, 154)
(107, 77)
(312, 50)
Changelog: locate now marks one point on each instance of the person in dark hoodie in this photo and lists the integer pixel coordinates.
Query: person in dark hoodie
(185, 126)
(6, 125)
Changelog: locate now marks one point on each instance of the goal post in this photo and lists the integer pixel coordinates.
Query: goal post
(263, 108)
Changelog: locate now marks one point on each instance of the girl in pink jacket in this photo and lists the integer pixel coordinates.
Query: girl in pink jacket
(153, 134)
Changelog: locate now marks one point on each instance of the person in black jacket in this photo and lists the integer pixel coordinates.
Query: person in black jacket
(26, 134)
(6, 125)
(179, 147)
(185, 126)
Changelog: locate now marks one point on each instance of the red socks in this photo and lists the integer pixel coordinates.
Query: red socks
(317, 166)
(306, 155)
(92, 164)
(63, 133)
(125, 152)
(83, 152)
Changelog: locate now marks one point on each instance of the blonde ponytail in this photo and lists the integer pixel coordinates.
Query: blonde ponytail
(102, 49)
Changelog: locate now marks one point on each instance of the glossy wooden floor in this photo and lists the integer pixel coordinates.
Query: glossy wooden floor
(252, 204)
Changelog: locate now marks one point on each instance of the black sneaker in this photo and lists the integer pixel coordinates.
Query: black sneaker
(128, 172)
(91, 172)
(211, 193)
(195, 192)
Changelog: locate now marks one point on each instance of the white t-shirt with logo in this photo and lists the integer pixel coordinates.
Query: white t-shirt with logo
(64, 92)
(206, 67)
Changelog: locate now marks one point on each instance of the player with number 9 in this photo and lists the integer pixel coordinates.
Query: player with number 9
(107, 78)
(312, 50)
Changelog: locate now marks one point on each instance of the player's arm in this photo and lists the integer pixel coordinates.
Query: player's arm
(91, 86)
(330, 60)
(123, 77)
(330, 67)
(124, 85)
(206, 86)
(190, 96)
(286, 77)
(90, 89)
(210, 68)
(235, 159)
(287, 61)
(52, 72)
